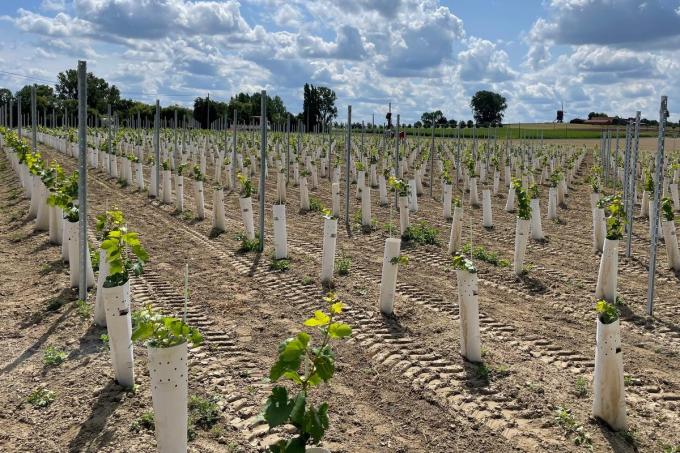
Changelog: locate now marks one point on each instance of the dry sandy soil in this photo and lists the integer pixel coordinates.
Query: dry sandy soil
(400, 386)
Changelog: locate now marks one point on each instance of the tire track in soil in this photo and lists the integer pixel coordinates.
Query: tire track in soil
(306, 299)
(419, 297)
(391, 349)
(219, 352)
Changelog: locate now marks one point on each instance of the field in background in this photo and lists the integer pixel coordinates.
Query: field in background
(533, 130)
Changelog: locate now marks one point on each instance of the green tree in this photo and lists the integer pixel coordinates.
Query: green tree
(44, 99)
(318, 106)
(430, 118)
(248, 106)
(99, 92)
(5, 96)
(203, 106)
(488, 107)
(327, 106)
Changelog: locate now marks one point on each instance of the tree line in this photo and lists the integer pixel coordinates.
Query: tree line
(54, 103)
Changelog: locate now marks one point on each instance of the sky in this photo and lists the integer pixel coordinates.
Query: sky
(612, 56)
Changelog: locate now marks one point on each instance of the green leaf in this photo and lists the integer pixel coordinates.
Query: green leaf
(339, 330)
(325, 367)
(279, 369)
(277, 408)
(320, 319)
(314, 379)
(337, 307)
(297, 412)
(109, 244)
(143, 332)
(316, 422)
(292, 351)
(293, 376)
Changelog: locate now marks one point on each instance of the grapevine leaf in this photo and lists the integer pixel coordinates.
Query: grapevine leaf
(316, 422)
(320, 319)
(337, 307)
(277, 409)
(339, 330)
(297, 412)
(325, 367)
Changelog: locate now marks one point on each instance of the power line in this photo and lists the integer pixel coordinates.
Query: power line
(14, 74)
(27, 77)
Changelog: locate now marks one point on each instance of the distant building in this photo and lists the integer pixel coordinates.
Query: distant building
(600, 121)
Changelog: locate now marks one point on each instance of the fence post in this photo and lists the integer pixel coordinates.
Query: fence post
(82, 182)
(263, 162)
(348, 152)
(658, 184)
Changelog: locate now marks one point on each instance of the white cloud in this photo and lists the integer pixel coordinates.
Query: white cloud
(415, 53)
(288, 16)
(625, 23)
(482, 61)
(53, 5)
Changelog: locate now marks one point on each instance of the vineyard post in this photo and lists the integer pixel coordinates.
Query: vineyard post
(627, 197)
(82, 182)
(299, 138)
(432, 162)
(348, 147)
(225, 127)
(109, 142)
(330, 154)
(632, 181)
(287, 149)
(609, 158)
(396, 160)
(263, 161)
(19, 119)
(174, 125)
(362, 137)
(233, 150)
(602, 151)
(157, 146)
(34, 119)
(616, 159)
(658, 183)
(186, 290)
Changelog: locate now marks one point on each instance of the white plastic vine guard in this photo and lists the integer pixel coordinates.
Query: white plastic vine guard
(99, 310)
(246, 206)
(536, 225)
(388, 281)
(403, 215)
(330, 232)
(609, 403)
(521, 237)
(280, 233)
(470, 342)
(487, 217)
(608, 272)
(119, 325)
(168, 369)
(219, 222)
(456, 230)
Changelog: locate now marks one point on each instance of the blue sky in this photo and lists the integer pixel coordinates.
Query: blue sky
(616, 56)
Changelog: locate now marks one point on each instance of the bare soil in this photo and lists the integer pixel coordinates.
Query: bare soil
(401, 385)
